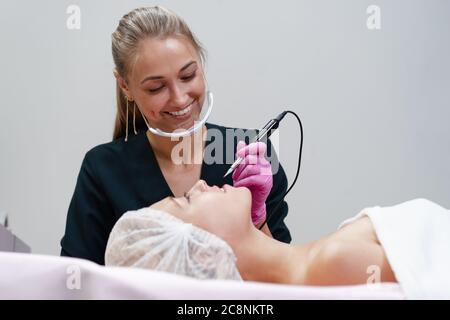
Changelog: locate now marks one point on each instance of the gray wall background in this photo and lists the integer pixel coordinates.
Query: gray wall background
(375, 105)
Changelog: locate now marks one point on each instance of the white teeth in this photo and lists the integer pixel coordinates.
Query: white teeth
(182, 112)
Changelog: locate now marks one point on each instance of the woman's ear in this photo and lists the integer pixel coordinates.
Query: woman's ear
(123, 85)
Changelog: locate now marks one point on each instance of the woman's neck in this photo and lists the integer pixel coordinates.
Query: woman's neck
(189, 148)
(261, 258)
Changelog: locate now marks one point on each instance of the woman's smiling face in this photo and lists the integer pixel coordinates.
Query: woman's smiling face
(166, 82)
(222, 211)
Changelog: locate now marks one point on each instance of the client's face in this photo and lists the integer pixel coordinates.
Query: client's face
(222, 211)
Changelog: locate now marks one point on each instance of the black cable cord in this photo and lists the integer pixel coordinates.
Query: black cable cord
(269, 215)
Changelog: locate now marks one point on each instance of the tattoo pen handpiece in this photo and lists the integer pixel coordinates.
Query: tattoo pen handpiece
(265, 132)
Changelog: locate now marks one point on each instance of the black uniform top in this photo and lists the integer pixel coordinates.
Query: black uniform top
(120, 176)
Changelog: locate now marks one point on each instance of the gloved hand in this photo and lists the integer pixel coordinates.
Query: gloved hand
(254, 173)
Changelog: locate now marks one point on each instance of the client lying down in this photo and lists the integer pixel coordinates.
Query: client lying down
(209, 234)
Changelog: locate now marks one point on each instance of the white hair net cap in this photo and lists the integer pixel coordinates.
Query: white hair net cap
(153, 239)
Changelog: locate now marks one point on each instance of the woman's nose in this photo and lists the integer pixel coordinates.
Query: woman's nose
(199, 186)
(178, 97)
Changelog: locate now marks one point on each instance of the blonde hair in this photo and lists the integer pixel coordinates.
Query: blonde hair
(137, 25)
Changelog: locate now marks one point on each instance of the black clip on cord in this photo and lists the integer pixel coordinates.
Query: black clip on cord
(278, 119)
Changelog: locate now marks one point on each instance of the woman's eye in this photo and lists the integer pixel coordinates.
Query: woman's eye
(189, 77)
(156, 90)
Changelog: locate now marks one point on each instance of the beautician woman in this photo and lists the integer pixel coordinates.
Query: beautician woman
(159, 68)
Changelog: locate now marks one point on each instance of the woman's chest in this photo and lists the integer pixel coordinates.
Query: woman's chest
(180, 179)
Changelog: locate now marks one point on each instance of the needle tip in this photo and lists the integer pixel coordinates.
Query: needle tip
(228, 172)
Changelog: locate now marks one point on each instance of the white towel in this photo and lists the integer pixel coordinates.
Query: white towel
(416, 238)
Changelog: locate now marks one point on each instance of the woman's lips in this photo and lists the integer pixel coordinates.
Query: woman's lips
(183, 113)
(213, 188)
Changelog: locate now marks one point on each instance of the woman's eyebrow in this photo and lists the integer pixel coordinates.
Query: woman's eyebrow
(161, 77)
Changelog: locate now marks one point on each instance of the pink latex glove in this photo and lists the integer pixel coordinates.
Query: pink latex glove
(254, 173)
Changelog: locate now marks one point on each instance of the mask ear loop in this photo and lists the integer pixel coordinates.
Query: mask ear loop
(145, 119)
